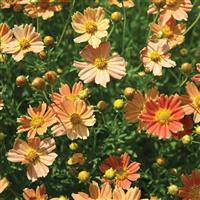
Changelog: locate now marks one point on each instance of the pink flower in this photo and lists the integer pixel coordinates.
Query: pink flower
(196, 78)
(127, 3)
(99, 65)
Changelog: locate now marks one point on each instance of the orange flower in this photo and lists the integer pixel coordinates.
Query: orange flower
(31, 194)
(100, 65)
(125, 172)
(127, 3)
(36, 154)
(15, 4)
(26, 40)
(163, 117)
(170, 30)
(155, 56)
(105, 193)
(190, 190)
(92, 26)
(73, 119)
(5, 35)
(192, 102)
(1, 104)
(3, 184)
(196, 78)
(38, 120)
(131, 194)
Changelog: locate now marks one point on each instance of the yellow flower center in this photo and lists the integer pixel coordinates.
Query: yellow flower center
(37, 121)
(32, 155)
(171, 2)
(70, 97)
(197, 101)
(121, 174)
(91, 27)
(163, 115)
(75, 119)
(195, 192)
(100, 63)
(24, 44)
(155, 56)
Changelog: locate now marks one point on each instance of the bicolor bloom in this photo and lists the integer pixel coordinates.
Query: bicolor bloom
(191, 103)
(170, 30)
(164, 116)
(191, 185)
(124, 172)
(155, 56)
(39, 193)
(74, 119)
(5, 35)
(92, 26)
(126, 3)
(196, 78)
(99, 65)
(3, 184)
(26, 40)
(1, 104)
(36, 154)
(95, 192)
(39, 119)
(177, 9)
(131, 194)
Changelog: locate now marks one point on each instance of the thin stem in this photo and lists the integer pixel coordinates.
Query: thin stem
(111, 31)
(184, 81)
(196, 142)
(192, 25)
(37, 28)
(124, 27)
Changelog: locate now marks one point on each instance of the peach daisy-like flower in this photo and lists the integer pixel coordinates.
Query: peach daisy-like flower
(39, 119)
(74, 119)
(92, 26)
(99, 65)
(38, 194)
(26, 40)
(95, 193)
(127, 3)
(3, 184)
(1, 104)
(131, 194)
(191, 186)
(191, 103)
(155, 56)
(36, 154)
(196, 78)
(5, 35)
(164, 116)
(170, 30)
(15, 4)
(124, 171)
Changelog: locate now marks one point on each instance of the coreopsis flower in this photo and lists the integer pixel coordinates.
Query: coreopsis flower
(15, 4)
(124, 172)
(164, 116)
(39, 193)
(131, 194)
(95, 192)
(196, 78)
(191, 185)
(26, 40)
(5, 35)
(155, 56)
(127, 3)
(170, 30)
(177, 9)
(38, 120)
(191, 103)
(36, 154)
(99, 65)
(3, 184)
(1, 104)
(92, 25)
(74, 119)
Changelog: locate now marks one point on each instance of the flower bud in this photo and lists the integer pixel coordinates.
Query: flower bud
(101, 105)
(21, 81)
(2, 136)
(172, 189)
(129, 92)
(50, 77)
(38, 83)
(73, 146)
(118, 104)
(48, 40)
(109, 173)
(83, 176)
(116, 16)
(160, 161)
(186, 67)
(183, 52)
(197, 129)
(42, 55)
(83, 94)
(186, 139)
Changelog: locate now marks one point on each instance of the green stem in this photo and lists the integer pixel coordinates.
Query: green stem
(192, 25)
(196, 142)
(124, 27)
(111, 31)
(37, 28)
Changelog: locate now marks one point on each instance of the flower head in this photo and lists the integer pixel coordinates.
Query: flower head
(36, 154)
(127, 3)
(3, 184)
(99, 65)
(92, 26)
(131, 194)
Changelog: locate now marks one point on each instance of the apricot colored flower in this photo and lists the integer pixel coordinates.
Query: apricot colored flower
(39, 119)
(5, 35)
(1, 104)
(3, 184)
(95, 193)
(125, 172)
(196, 78)
(155, 56)
(15, 4)
(74, 119)
(127, 3)
(170, 30)
(26, 40)
(92, 26)
(39, 193)
(99, 65)
(191, 103)
(36, 154)
(177, 9)
(164, 116)
(131, 194)
(191, 185)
